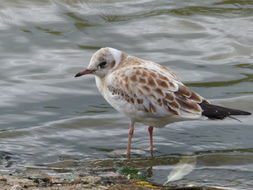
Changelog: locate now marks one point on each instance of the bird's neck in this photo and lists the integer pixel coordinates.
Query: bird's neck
(122, 61)
(100, 82)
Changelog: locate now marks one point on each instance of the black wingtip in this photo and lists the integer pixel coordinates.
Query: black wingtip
(247, 113)
(218, 112)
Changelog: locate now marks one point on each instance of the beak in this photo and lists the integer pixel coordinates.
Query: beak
(84, 72)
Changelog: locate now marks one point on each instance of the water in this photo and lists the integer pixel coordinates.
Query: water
(47, 116)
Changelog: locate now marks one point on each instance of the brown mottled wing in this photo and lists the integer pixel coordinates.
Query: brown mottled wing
(154, 90)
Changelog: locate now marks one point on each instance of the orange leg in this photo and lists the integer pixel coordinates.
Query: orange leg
(130, 135)
(150, 130)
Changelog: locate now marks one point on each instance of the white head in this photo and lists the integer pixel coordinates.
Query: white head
(102, 62)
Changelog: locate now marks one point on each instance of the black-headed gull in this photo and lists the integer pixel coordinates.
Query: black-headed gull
(147, 92)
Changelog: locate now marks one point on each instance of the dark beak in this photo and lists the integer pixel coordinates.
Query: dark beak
(84, 72)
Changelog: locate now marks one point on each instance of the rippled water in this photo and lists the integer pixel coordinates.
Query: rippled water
(47, 116)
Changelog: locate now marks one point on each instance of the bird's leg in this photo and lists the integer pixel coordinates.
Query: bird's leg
(130, 135)
(150, 131)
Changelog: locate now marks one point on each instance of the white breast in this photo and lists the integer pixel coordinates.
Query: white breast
(117, 102)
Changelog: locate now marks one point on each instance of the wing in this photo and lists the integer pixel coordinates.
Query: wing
(155, 90)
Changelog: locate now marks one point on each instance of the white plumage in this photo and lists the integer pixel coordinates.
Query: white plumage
(147, 92)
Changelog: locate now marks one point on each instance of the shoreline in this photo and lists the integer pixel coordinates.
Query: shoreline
(40, 181)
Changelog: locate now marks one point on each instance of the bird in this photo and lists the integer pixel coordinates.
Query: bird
(148, 92)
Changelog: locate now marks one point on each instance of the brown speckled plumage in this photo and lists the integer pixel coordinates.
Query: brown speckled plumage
(157, 90)
(147, 92)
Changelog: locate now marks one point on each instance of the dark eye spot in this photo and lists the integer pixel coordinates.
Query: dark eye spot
(102, 65)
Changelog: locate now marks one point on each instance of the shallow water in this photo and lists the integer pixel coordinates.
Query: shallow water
(47, 116)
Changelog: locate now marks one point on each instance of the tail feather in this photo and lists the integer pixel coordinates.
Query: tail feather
(218, 112)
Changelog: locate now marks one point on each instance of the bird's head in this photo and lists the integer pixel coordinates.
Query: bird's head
(102, 62)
